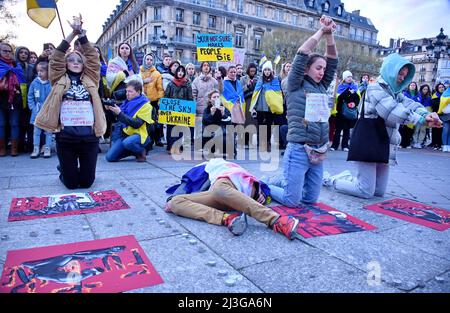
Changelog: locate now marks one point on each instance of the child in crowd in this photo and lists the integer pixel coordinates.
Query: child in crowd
(39, 90)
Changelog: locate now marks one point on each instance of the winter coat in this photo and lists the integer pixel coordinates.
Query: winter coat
(201, 87)
(37, 94)
(49, 116)
(183, 92)
(298, 84)
(153, 90)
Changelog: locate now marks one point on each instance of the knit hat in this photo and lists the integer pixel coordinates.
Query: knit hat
(267, 64)
(346, 74)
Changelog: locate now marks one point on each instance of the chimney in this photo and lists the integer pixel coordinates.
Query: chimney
(391, 43)
(356, 12)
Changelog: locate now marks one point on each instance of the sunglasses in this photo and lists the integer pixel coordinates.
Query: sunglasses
(73, 60)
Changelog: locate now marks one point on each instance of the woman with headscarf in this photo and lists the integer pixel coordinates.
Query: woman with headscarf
(153, 89)
(11, 76)
(384, 99)
(121, 70)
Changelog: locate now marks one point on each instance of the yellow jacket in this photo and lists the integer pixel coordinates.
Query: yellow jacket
(153, 90)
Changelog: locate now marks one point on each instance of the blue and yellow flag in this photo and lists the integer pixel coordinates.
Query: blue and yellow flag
(263, 59)
(445, 100)
(277, 59)
(42, 12)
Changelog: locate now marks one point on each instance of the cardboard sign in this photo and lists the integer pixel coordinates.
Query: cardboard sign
(98, 266)
(177, 112)
(413, 212)
(77, 113)
(317, 109)
(322, 220)
(31, 208)
(238, 58)
(215, 47)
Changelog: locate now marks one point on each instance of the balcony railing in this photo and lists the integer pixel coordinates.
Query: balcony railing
(363, 39)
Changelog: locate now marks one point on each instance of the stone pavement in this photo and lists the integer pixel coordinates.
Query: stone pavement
(193, 256)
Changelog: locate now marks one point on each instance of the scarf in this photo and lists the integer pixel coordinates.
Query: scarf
(343, 87)
(179, 82)
(145, 66)
(130, 107)
(14, 80)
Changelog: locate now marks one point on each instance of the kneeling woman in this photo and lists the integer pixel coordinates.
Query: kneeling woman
(132, 131)
(73, 110)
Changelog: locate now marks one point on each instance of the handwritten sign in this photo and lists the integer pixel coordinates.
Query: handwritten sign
(177, 112)
(77, 113)
(215, 47)
(239, 58)
(317, 109)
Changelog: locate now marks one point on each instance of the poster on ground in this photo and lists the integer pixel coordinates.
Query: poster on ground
(215, 47)
(177, 112)
(30, 208)
(413, 212)
(322, 220)
(98, 266)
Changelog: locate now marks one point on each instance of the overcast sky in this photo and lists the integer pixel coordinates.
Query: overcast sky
(410, 19)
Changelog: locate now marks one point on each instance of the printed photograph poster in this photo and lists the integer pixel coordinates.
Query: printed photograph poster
(317, 109)
(177, 112)
(30, 208)
(413, 212)
(77, 113)
(322, 220)
(215, 47)
(98, 266)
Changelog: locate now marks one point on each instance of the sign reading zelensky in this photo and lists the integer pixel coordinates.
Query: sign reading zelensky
(177, 112)
(215, 47)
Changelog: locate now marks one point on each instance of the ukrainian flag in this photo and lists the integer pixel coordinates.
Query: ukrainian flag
(263, 60)
(277, 59)
(42, 12)
(445, 100)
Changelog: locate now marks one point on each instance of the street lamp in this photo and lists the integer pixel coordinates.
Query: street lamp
(154, 45)
(171, 47)
(439, 49)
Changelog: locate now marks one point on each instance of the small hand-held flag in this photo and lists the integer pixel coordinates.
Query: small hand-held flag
(263, 59)
(277, 59)
(43, 12)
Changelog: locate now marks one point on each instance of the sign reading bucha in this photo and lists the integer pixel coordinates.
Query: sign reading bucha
(215, 47)
(177, 112)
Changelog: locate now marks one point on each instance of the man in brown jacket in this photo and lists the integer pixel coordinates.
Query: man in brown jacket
(73, 110)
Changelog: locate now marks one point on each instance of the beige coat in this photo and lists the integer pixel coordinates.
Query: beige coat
(49, 116)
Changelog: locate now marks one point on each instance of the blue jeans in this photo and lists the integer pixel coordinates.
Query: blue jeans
(37, 137)
(126, 146)
(13, 116)
(446, 134)
(301, 180)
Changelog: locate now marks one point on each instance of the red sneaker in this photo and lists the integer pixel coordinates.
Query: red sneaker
(236, 223)
(287, 226)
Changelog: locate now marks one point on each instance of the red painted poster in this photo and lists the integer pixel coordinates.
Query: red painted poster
(322, 220)
(30, 208)
(414, 212)
(98, 266)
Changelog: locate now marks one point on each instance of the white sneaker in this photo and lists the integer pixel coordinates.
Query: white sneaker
(345, 149)
(47, 152)
(328, 180)
(332, 149)
(35, 153)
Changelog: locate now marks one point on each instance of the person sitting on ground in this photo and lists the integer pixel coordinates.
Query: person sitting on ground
(232, 189)
(132, 132)
(384, 99)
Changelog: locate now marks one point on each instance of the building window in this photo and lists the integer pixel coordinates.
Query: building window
(157, 31)
(194, 56)
(311, 3)
(179, 15)
(310, 22)
(259, 10)
(258, 41)
(196, 18)
(178, 54)
(339, 10)
(157, 14)
(326, 6)
(279, 15)
(179, 34)
(240, 6)
(212, 21)
(238, 41)
(294, 19)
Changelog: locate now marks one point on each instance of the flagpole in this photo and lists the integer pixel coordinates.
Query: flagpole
(59, 18)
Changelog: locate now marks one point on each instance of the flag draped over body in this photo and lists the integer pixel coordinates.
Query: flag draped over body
(43, 12)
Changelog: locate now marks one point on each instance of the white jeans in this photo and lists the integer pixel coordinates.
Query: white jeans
(371, 180)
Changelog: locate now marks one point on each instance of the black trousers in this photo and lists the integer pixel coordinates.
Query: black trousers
(342, 125)
(77, 160)
(265, 118)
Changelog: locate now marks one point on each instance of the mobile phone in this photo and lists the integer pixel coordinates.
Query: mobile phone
(217, 103)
